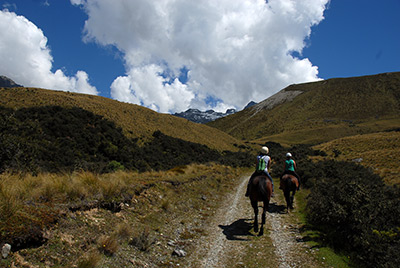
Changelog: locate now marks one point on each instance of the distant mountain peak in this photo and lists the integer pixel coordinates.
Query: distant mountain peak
(250, 104)
(7, 82)
(201, 117)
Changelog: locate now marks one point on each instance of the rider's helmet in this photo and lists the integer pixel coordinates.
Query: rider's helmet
(264, 150)
(288, 155)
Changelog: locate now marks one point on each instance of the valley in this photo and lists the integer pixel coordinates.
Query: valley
(91, 182)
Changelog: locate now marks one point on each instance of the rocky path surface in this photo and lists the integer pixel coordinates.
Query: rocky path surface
(231, 242)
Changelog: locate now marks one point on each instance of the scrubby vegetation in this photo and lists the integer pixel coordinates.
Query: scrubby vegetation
(136, 122)
(357, 213)
(56, 139)
(119, 219)
(350, 206)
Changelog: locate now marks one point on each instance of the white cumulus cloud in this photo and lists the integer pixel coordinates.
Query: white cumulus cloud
(234, 50)
(26, 58)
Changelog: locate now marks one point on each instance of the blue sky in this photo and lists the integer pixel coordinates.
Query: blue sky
(356, 38)
(181, 54)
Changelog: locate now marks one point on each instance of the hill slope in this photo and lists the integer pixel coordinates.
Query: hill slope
(135, 121)
(320, 111)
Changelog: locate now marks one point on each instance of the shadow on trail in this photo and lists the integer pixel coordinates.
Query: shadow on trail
(238, 230)
(274, 208)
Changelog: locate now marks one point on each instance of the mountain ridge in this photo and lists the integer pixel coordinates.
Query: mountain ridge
(197, 116)
(203, 117)
(318, 111)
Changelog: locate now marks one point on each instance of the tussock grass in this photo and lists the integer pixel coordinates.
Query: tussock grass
(379, 151)
(142, 239)
(123, 231)
(89, 260)
(153, 207)
(108, 244)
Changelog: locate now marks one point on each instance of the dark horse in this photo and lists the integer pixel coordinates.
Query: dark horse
(289, 184)
(260, 191)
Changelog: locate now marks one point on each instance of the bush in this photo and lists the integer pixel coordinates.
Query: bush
(56, 139)
(357, 213)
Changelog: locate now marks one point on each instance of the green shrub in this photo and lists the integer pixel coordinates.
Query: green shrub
(56, 139)
(357, 212)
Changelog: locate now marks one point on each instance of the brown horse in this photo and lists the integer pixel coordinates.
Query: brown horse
(260, 191)
(289, 184)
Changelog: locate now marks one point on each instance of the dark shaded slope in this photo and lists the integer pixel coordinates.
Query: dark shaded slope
(134, 120)
(54, 139)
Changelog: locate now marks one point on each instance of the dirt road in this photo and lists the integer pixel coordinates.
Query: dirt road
(231, 242)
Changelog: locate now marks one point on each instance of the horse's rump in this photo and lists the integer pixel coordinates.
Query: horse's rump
(289, 182)
(260, 188)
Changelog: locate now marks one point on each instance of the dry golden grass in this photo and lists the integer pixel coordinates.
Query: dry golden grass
(379, 151)
(325, 110)
(89, 260)
(157, 205)
(108, 244)
(17, 189)
(136, 121)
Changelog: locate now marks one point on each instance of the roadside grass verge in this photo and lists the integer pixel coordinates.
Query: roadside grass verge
(110, 220)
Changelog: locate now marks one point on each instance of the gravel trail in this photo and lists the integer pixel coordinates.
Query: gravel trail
(230, 236)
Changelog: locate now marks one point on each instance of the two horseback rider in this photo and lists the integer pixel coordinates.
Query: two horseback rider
(263, 166)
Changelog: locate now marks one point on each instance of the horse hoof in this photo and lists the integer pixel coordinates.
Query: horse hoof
(261, 233)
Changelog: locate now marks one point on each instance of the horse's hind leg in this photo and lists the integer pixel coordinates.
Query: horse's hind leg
(287, 198)
(255, 208)
(292, 199)
(265, 209)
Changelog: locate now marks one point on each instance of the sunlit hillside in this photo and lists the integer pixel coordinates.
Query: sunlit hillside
(379, 151)
(320, 111)
(135, 121)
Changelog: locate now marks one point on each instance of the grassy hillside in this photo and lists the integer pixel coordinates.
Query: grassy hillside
(320, 111)
(378, 151)
(135, 121)
(56, 139)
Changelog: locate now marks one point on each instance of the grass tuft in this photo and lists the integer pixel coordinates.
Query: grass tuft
(108, 244)
(90, 260)
(142, 240)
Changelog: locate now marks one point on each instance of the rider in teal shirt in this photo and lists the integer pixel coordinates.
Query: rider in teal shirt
(290, 167)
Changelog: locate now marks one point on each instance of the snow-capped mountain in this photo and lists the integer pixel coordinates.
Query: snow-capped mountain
(198, 116)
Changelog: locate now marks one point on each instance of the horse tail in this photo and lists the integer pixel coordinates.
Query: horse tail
(262, 188)
(289, 183)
